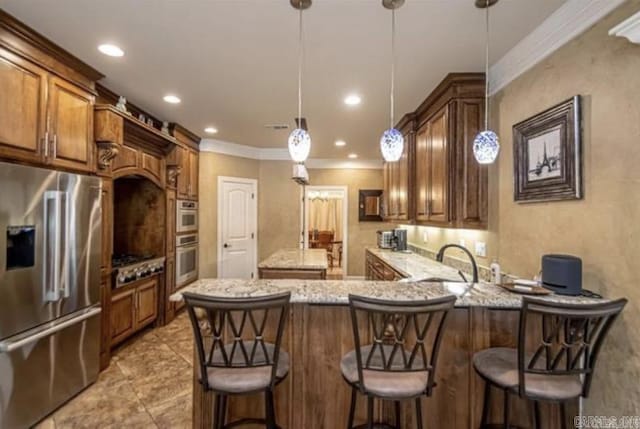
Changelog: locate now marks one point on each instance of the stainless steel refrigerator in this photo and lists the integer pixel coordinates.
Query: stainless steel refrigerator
(50, 244)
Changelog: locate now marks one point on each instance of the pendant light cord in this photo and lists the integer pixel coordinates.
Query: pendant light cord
(393, 66)
(300, 66)
(486, 69)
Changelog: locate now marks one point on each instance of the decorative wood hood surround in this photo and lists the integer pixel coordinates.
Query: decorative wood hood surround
(127, 146)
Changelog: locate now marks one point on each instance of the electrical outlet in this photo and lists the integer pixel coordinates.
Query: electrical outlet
(462, 242)
(425, 237)
(481, 249)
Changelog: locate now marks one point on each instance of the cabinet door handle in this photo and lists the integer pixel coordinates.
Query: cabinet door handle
(55, 145)
(46, 144)
(421, 213)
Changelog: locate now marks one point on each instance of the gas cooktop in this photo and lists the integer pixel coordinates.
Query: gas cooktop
(129, 268)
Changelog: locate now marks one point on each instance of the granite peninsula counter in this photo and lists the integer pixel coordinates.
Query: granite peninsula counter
(318, 334)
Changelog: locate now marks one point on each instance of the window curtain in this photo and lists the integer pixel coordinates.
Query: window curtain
(325, 214)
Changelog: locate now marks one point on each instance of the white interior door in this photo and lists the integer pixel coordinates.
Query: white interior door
(237, 228)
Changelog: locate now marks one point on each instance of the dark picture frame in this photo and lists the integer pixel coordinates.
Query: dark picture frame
(547, 154)
(370, 205)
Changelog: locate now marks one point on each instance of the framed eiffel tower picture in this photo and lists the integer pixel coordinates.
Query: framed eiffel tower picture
(547, 154)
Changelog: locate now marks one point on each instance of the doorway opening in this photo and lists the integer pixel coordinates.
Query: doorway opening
(325, 225)
(237, 228)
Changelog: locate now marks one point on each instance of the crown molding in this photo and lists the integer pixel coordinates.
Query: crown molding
(569, 21)
(629, 28)
(282, 154)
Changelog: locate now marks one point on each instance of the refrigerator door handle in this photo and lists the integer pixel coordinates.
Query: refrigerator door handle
(56, 237)
(32, 335)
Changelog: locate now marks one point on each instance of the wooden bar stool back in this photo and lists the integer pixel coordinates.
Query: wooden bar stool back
(396, 351)
(234, 352)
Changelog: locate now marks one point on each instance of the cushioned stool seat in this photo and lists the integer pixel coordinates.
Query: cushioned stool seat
(500, 366)
(395, 385)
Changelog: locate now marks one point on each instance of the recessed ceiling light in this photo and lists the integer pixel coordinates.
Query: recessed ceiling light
(171, 99)
(111, 50)
(352, 100)
(211, 130)
(353, 155)
(341, 143)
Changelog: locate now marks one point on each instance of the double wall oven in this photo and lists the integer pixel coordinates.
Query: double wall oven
(186, 242)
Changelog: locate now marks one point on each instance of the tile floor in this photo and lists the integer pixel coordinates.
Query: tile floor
(147, 385)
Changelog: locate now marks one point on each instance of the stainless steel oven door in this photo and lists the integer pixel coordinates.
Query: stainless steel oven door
(186, 260)
(187, 216)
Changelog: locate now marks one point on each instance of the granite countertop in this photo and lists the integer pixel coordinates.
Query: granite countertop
(297, 259)
(416, 267)
(337, 291)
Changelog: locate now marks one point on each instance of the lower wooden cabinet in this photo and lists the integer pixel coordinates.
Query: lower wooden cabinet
(132, 308)
(376, 269)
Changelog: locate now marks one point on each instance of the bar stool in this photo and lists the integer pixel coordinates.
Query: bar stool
(246, 363)
(399, 362)
(560, 367)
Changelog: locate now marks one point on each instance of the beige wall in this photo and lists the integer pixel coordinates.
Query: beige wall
(360, 234)
(603, 228)
(213, 165)
(279, 206)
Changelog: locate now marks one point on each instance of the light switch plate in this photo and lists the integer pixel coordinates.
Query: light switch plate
(481, 249)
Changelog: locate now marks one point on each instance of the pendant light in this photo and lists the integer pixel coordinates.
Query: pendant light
(299, 139)
(392, 141)
(486, 145)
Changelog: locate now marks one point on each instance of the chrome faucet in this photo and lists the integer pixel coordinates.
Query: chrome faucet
(440, 258)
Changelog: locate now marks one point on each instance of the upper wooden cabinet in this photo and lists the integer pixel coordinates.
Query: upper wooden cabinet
(445, 186)
(185, 156)
(432, 170)
(398, 177)
(70, 126)
(46, 103)
(22, 110)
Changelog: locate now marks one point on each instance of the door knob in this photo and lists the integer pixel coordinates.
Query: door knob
(226, 245)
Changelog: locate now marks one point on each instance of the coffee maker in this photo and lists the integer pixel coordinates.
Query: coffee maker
(400, 240)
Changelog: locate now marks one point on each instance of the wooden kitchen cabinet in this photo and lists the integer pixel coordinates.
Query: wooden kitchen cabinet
(438, 181)
(398, 178)
(70, 126)
(376, 269)
(186, 156)
(147, 303)
(123, 315)
(132, 308)
(46, 101)
(22, 109)
(432, 170)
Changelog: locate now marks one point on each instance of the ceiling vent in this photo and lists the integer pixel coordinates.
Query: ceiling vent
(277, 126)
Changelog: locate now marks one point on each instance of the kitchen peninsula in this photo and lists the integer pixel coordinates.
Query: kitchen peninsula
(318, 334)
(295, 264)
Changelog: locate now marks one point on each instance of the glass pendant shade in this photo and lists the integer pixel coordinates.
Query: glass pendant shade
(299, 145)
(391, 145)
(486, 147)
